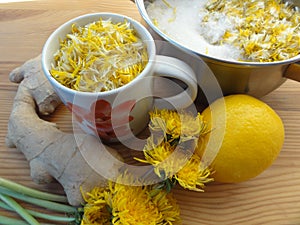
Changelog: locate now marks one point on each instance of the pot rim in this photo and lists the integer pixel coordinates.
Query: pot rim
(141, 7)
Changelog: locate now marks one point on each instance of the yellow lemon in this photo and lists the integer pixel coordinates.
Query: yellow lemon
(250, 141)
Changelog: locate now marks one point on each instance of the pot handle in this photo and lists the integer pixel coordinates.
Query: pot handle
(293, 72)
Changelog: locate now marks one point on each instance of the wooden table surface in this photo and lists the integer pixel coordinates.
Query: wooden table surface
(271, 198)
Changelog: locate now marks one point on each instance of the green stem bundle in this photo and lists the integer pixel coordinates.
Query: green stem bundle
(9, 221)
(31, 192)
(9, 191)
(40, 214)
(39, 202)
(19, 209)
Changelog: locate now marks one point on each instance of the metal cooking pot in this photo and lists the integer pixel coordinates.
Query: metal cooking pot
(253, 78)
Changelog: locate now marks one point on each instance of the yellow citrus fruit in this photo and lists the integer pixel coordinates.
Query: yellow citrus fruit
(252, 137)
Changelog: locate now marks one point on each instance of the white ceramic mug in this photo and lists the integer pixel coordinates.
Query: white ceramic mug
(122, 112)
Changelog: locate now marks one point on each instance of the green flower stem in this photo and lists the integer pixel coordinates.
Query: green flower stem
(32, 192)
(50, 217)
(19, 209)
(58, 207)
(41, 215)
(10, 221)
(3, 205)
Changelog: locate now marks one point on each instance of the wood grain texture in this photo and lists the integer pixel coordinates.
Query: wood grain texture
(271, 198)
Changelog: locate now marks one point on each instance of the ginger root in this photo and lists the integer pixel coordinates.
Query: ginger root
(53, 154)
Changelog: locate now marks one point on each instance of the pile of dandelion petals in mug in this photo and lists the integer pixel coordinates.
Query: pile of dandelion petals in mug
(99, 56)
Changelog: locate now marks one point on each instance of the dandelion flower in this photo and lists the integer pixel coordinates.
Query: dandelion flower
(120, 204)
(174, 146)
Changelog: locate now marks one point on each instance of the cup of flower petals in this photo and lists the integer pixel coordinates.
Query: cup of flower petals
(103, 67)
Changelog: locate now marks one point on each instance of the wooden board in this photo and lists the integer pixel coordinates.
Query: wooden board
(271, 198)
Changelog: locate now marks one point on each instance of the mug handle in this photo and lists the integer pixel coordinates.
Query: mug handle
(170, 67)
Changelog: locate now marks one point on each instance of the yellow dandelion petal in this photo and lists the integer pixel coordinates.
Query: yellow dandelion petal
(192, 176)
(95, 210)
(132, 205)
(157, 157)
(168, 207)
